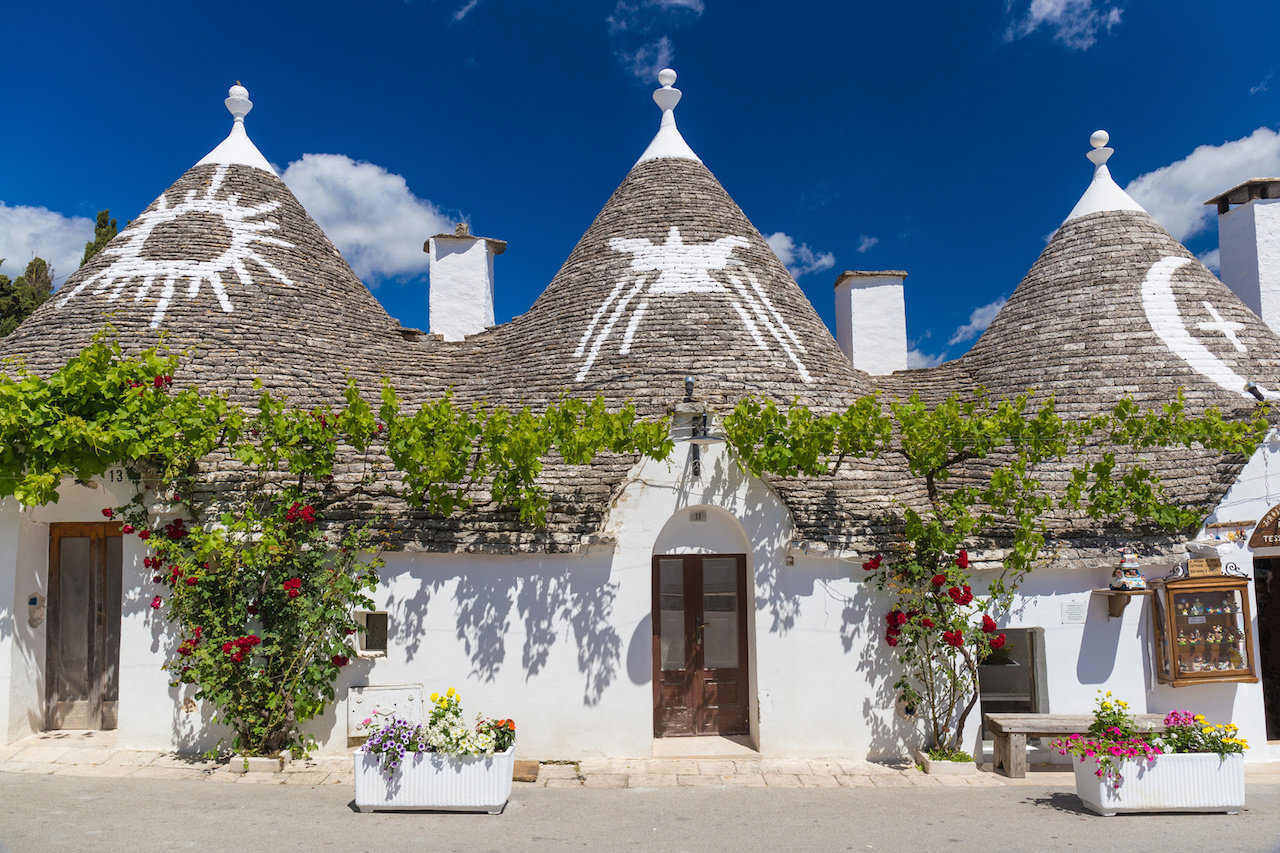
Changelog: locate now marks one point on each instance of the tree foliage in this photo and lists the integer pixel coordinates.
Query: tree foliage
(950, 503)
(104, 228)
(24, 294)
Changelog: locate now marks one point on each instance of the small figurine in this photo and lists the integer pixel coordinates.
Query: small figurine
(1126, 576)
(1182, 638)
(1183, 607)
(1197, 608)
(1197, 662)
(1195, 639)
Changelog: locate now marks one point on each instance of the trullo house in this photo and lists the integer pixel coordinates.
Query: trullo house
(578, 629)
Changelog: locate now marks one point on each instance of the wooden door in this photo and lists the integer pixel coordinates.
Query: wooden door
(83, 628)
(700, 645)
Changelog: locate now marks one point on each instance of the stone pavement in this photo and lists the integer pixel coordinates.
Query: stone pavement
(94, 754)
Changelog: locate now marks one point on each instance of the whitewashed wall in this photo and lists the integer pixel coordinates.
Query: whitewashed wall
(562, 643)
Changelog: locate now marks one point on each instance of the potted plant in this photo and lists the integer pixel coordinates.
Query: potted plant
(1194, 766)
(441, 764)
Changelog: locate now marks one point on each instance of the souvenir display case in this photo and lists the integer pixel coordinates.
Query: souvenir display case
(1203, 630)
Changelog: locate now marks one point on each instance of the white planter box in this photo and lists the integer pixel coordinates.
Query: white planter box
(1181, 782)
(431, 780)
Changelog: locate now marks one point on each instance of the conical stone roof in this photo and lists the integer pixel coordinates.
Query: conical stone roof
(227, 264)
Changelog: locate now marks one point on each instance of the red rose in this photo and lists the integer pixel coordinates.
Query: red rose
(199, 632)
(191, 581)
(891, 639)
(873, 564)
(237, 657)
(962, 559)
(938, 579)
(956, 594)
(997, 642)
(379, 429)
(340, 660)
(158, 382)
(988, 624)
(953, 638)
(895, 618)
(128, 528)
(227, 647)
(966, 596)
(253, 609)
(927, 622)
(157, 578)
(144, 535)
(293, 593)
(156, 602)
(108, 512)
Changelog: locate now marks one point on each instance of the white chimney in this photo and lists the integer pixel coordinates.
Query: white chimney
(461, 269)
(1249, 245)
(871, 319)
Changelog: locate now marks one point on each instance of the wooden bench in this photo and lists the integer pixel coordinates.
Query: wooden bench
(1012, 730)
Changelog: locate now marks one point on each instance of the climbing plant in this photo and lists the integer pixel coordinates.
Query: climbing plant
(254, 554)
(938, 626)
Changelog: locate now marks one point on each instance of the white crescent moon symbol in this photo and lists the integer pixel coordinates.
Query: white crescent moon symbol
(1166, 321)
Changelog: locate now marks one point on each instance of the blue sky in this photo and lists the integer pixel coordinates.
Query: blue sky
(944, 138)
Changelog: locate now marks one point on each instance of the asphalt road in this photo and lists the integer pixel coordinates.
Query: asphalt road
(56, 813)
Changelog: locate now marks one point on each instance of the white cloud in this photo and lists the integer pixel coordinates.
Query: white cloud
(1263, 85)
(28, 232)
(979, 319)
(648, 59)
(1075, 23)
(640, 32)
(800, 260)
(369, 213)
(1175, 194)
(866, 243)
(919, 358)
(1212, 259)
(464, 9)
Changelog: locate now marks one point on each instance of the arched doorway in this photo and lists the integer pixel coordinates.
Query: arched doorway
(701, 676)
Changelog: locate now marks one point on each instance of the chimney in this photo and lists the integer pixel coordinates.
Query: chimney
(1249, 245)
(871, 319)
(461, 295)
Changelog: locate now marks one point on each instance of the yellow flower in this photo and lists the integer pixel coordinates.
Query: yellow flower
(1199, 718)
(1207, 730)
(1122, 704)
(452, 692)
(1106, 706)
(1232, 727)
(1108, 692)
(435, 697)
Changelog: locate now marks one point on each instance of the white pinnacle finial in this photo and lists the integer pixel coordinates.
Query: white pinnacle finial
(668, 143)
(668, 96)
(1100, 153)
(237, 149)
(238, 103)
(1103, 193)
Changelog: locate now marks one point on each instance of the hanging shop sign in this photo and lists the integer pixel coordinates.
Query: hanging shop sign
(1267, 533)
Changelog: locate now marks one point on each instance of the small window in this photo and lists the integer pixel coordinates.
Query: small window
(373, 637)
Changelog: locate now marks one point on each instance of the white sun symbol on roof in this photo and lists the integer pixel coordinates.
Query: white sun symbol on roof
(676, 267)
(246, 229)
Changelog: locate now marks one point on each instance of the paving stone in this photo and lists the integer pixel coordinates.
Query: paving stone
(597, 765)
(259, 779)
(605, 780)
(748, 765)
(86, 755)
(891, 780)
(557, 771)
(782, 780)
(102, 771)
(818, 780)
(713, 767)
(306, 777)
(862, 768)
(792, 766)
(855, 780)
(825, 768)
(37, 767)
(41, 754)
(169, 773)
(743, 780)
(699, 781)
(133, 757)
(564, 783)
(651, 780)
(525, 771)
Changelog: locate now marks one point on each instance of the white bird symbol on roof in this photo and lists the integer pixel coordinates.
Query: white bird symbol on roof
(681, 267)
(685, 268)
